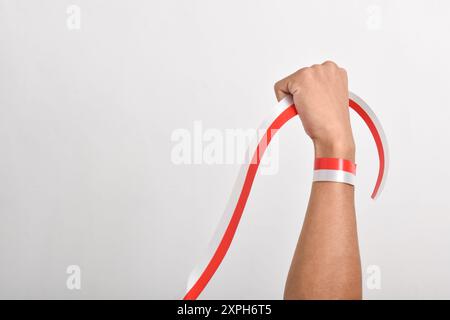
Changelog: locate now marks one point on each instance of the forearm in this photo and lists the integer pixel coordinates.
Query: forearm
(326, 262)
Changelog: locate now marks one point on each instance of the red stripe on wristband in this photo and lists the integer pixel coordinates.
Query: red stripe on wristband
(334, 164)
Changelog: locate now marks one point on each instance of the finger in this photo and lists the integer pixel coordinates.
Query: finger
(282, 89)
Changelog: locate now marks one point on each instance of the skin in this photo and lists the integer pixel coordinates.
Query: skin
(326, 262)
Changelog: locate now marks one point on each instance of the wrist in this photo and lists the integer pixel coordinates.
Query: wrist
(335, 149)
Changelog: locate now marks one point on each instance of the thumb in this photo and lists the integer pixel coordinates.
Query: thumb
(281, 89)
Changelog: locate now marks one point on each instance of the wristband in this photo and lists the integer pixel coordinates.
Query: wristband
(335, 170)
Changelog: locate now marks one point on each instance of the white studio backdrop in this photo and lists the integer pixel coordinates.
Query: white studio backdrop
(91, 92)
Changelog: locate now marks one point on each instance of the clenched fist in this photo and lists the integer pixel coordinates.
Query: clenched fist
(320, 94)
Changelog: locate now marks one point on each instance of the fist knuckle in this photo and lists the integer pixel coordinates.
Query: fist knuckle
(330, 63)
(307, 73)
(343, 72)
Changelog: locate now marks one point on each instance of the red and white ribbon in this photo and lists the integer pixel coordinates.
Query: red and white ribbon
(334, 169)
(223, 236)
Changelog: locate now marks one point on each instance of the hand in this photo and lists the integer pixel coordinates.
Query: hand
(320, 94)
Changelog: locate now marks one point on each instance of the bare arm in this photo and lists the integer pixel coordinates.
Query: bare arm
(326, 262)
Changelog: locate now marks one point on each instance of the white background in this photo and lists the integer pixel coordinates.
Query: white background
(86, 116)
